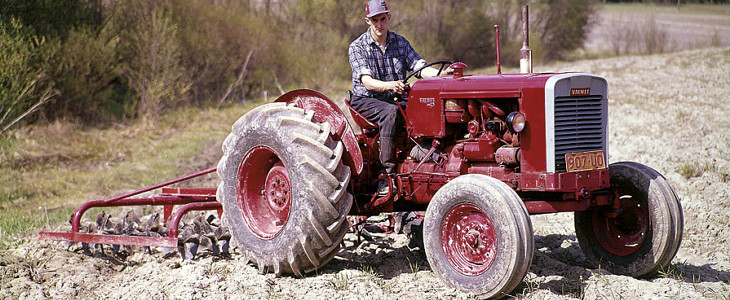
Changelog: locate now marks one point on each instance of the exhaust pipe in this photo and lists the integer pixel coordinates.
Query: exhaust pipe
(525, 52)
(496, 34)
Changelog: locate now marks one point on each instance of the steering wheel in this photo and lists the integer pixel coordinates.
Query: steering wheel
(443, 64)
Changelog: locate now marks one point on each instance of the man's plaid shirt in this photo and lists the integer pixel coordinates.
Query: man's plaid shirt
(366, 58)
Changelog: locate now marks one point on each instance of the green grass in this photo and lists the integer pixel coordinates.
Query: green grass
(340, 281)
(47, 171)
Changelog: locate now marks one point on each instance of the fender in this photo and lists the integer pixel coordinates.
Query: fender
(326, 110)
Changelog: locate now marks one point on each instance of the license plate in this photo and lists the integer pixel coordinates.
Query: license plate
(583, 161)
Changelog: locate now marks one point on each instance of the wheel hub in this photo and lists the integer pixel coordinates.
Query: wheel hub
(264, 192)
(469, 239)
(622, 231)
(277, 188)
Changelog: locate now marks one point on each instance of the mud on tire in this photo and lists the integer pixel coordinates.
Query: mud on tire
(284, 189)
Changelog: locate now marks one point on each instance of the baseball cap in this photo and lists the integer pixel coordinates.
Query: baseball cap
(375, 7)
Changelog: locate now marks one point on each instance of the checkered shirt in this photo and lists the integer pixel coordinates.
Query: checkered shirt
(366, 58)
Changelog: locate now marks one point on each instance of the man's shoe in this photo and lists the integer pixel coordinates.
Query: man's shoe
(383, 187)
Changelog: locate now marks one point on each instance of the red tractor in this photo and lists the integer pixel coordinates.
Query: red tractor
(502, 146)
(478, 154)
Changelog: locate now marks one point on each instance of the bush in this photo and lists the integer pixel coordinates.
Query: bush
(562, 26)
(655, 38)
(85, 70)
(463, 30)
(152, 61)
(639, 36)
(23, 85)
(51, 18)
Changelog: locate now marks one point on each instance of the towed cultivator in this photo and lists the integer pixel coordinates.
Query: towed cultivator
(477, 153)
(164, 232)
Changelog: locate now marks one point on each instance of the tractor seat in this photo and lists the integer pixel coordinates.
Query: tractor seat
(360, 120)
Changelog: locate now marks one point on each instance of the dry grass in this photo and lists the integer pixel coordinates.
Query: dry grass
(47, 171)
(637, 28)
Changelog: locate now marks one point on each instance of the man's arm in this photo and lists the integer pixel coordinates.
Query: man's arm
(431, 71)
(376, 85)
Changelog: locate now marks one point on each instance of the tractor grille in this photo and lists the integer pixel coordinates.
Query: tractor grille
(580, 126)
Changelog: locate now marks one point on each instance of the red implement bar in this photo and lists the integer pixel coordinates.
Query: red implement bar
(190, 199)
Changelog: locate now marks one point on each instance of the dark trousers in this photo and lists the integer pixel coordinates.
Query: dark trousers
(385, 114)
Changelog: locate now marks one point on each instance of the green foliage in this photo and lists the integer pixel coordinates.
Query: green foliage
(455, 30)
(562, 26)
(51, 18)
(85, 68)
(152, 62)
(23, 85)
(214, 44)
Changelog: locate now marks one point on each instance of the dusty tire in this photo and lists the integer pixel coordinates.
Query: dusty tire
(284, 189)
(644, 234)
(478, 236)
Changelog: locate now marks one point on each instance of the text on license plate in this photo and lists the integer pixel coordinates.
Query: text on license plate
(582, 161)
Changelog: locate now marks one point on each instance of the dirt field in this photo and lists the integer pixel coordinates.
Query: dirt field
(670, 111)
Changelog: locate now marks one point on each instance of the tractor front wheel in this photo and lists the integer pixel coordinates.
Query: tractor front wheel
(478, 236)
(284, 189)
(638, 235)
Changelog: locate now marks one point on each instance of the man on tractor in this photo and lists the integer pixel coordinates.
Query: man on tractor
(380, 60)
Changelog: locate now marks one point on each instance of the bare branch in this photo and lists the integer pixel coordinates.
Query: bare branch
(238, 80)
(47, 95)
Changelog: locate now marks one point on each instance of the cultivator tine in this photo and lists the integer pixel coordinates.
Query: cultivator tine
(90, 229)
(191, 250)
(85, 247)
(205, 244)
(201, 234)
(224, 237)
(131, 220)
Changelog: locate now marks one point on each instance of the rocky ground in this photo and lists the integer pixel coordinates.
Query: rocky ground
(669, 111)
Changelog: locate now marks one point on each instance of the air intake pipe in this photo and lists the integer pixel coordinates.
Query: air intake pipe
(525, 52)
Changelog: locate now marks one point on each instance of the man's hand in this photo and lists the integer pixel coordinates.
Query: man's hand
(397, 86)
(373, 84)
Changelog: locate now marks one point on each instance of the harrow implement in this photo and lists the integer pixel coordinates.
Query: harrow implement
(187, 200)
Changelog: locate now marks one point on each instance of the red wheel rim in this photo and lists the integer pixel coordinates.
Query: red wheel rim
(468, 239)
(622, 231)
(264, 192)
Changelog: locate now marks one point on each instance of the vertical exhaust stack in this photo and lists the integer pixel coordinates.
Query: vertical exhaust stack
(525, 52)
(496, 34)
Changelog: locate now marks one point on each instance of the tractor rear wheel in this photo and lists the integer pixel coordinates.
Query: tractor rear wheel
(284, 189)
(478, 236)
(640, 235)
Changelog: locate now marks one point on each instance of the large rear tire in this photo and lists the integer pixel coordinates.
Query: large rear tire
(478, 236)
(284, 189)
(643, 234)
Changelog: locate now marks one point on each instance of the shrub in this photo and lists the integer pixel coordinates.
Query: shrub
(23, 85)
(563, 25)
(151, 54)
(85, 69)
(655, 38)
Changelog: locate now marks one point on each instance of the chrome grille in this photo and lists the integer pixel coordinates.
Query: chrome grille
(580, 126)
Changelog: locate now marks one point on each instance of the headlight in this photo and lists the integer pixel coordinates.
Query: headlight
(516, 121)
